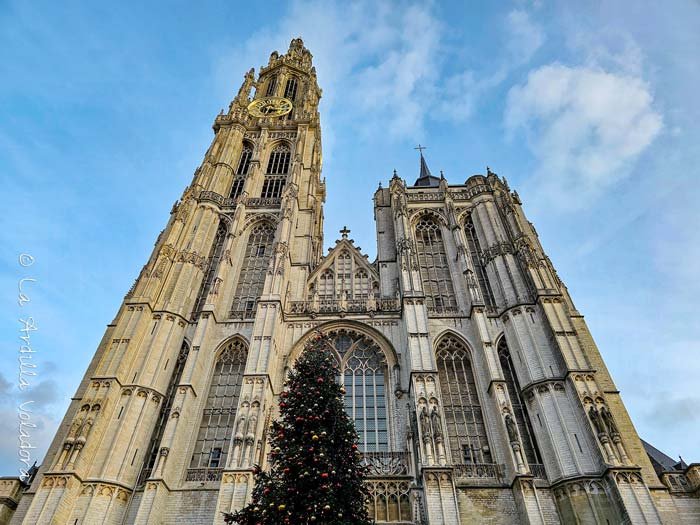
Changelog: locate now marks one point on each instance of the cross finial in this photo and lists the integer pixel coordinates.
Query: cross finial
(420, 149)
(344, 232)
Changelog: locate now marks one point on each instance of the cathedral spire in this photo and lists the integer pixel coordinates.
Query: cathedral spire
(425, 178)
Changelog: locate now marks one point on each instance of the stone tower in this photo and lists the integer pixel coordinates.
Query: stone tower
(477, 390)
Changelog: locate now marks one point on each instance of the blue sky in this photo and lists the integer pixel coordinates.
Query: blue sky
(588, 110)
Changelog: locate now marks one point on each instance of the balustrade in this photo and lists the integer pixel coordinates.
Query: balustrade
(479, 470)
(253, 202)
(204, 474)
(332, 306)
(537, 470)
(380, 464)
(676, 482)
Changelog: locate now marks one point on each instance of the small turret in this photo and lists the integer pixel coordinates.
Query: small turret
(425, 178)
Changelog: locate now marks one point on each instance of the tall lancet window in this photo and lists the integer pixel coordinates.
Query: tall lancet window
(434, 267)
(276, 174)
(290, 90)
(527, 436)
(345, 278)
(244, 161)
(237, 187)
(363, 373)
(361, 285)
(271, 86)
(208, 284)
(211, 447)
(343, 275)
(464, 418)
(326, 287)
(241, 171)
(251, 278)
(164, 414)
(475, 254)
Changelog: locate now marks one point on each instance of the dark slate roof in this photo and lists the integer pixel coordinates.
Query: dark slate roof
(426, 178)
(660, 461)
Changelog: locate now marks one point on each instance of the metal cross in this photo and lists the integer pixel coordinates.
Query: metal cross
(345, 232)
(420, 148)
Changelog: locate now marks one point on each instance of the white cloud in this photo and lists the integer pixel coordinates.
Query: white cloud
(676, 244)
(38, 436)
(39, 406)
(586, 127)
(400, 88)
(389, 68)
(525, 37)
(607, 48)
(380, 74)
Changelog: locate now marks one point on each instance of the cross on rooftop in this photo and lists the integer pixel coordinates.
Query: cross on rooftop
(344, 232)
(420, 148)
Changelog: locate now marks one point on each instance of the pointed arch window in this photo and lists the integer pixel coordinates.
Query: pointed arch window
(278, 164)
(208, 282)
(464, 418)
(527, 436)
(237, 187)
(271, 86)
(244, 161)
(241, 171)
(211, 447)
(363, 373)
(434, 267)
(343, 274)
(164, 414)
(251, 278)
(326, 286)
(362, 286)
(475, 255)
(276, 175)
(290, 89)
(390, 501)
(345, 278)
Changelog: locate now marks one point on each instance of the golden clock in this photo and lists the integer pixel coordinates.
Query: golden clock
(270, 107)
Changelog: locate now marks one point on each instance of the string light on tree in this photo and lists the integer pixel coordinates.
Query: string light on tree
(315, 474)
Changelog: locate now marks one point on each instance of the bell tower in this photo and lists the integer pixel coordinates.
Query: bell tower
(474, 383)
(196, 341)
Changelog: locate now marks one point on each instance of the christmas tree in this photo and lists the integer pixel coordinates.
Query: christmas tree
(315, 472)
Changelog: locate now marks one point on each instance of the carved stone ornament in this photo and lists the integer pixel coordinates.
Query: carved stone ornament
(436, 422)
(594, 416)
(425, 423)
(511, 428)
(607, 418)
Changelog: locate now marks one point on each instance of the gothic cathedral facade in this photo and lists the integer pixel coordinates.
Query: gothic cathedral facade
(477, 390)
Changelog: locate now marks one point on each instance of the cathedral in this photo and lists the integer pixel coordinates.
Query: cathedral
(478, 393)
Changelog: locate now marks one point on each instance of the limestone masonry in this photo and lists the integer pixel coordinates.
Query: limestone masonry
(476, 387)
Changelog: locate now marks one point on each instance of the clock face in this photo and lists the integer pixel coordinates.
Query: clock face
(270, 107)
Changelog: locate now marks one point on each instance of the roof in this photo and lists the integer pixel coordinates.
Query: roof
(426, 178)
(660, 461)
(341, 244)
